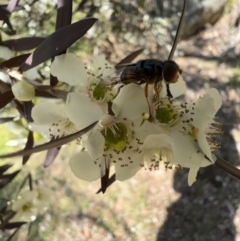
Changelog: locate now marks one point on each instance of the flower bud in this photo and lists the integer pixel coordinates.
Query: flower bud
(23, 91)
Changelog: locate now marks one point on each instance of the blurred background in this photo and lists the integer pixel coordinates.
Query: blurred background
(155, 205)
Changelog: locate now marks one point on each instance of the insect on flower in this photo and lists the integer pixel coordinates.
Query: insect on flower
(154, 71)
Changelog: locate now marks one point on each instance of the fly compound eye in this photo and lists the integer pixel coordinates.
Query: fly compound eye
(171, 72)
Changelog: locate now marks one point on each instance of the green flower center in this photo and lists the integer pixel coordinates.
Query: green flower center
(27, 207)
(99, 92)
(116, 137)
(165, 114)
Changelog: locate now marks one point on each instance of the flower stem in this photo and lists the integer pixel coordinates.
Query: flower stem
(227, 167)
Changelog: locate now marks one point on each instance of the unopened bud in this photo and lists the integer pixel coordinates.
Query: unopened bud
(23, 91)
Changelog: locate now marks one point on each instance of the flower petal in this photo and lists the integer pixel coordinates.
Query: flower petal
(100, 65)
(32, 74)
(158, 141)
(83, 167)
(81, 110)
(127, 170)
(5, 53)
(186, 151)
(69, 68)
(192, 174)
(4, 77)
(48, 113)
(130, 102)
(203, 143)
(95, 144)
(206, 107)
(23, 91)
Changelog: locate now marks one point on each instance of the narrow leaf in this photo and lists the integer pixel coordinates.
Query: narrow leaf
(110, 182)
(13, 225)
(28, 105)
(57, 42)
(5, 179)
(5, 98)
(51, 155)
(227, 167)
(27, 178)
(23, 44)
(105, 180)
(64, 13)
(12, 5)
(29, 145)
(42, 93)
(51, 144)
(15, 61)
(4, 168)
(6, 119)
(19, 107)
(10, 238)
(64, 18)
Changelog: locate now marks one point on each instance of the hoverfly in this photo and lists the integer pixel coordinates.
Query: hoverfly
(154, 71)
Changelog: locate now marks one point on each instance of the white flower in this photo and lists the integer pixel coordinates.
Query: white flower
(157, 148)
(51, 119)
(187, 127)
(23, 91)
(88, 78)
(25, 209)
(43, 199)
(116, 140)
(31, 204)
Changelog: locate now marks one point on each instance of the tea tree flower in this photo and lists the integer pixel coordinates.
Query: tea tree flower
(87, 78)
(25, 209)
(57, 120)
(30, 204)
(188, 126)
(116, 140)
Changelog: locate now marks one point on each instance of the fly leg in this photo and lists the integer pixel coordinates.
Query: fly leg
(169, 94)
(149, 107)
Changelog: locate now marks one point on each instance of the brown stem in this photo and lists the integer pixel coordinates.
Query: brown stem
(227, 167)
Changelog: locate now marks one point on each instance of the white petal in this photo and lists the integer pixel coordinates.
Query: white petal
(48, 113)
(100, 65)
(130, 102)
(158, 141)
(203, 144)
(177, 89)
(69, 68)
(216, 97)
(95, 144)
(5, 53)
(126, 172)
(81, 110)
(192, 175)
(83, 167)
(32, 74)
(23, 91)
(206, 107)
(186, 151)
(42, 129)
(4, 77)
